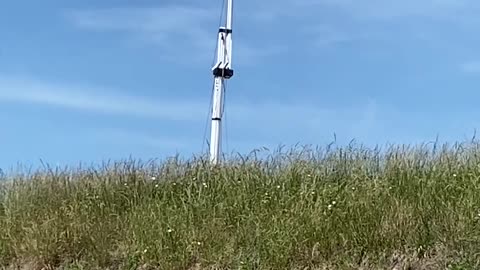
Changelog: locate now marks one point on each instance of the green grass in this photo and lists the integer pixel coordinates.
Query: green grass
(342, 208)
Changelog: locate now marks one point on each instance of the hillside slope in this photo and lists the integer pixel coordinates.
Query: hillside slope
(342, 208)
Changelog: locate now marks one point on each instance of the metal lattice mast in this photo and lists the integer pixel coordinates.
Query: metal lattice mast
(222, 71)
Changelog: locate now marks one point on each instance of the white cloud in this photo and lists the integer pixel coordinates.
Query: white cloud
(383, 9)
(284, 118)
(144, 19)
(96, 100)
(186, 34)
(160, 24)
(471, 67)
(327, 35)
(351, 20)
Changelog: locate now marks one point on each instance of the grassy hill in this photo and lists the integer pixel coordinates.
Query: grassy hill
(332, 208)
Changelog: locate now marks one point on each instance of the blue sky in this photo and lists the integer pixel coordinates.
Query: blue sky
(93, 80)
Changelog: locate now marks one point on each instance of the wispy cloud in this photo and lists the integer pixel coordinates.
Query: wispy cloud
(327, 35)
(292, 118)
(160, 24)
(96, 100)
(182, 31)
(353, 20)
(387, 9)
(471, 67)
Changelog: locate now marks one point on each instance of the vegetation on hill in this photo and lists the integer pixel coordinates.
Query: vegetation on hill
(333, 208)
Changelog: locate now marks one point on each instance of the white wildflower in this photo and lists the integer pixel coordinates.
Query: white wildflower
(278, 187)
(169, 230)
(156, 185)
(334, 202)
(153, 178)
(199, 243)
(330, 207)
(454, 175)
(205, 184)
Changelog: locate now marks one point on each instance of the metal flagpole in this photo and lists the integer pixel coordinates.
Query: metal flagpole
(222, 71)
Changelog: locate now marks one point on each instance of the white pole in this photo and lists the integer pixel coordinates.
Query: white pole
(216, 136)
(229, 33)
(221, 71)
